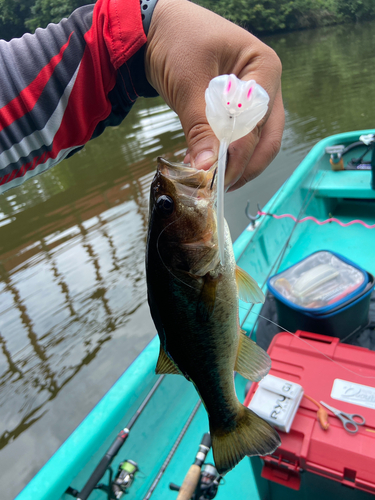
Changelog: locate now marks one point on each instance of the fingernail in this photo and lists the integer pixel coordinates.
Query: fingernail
(205, 159)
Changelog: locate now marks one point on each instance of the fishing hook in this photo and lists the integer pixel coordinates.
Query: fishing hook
(252, 218)
(213, 178)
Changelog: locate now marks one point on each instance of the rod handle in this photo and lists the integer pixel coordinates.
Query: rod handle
(190, 483)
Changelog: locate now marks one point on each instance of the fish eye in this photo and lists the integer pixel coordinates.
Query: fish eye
(165, 205)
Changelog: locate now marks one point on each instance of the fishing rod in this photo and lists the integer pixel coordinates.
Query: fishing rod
(208, 484)
(188, 487)
(172, 452)
(113, 450)
(305, 203)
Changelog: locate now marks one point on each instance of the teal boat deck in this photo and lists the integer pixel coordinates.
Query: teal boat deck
(353, 184)
(271, 245)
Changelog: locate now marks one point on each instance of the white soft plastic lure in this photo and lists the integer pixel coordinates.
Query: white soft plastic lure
(233, 108)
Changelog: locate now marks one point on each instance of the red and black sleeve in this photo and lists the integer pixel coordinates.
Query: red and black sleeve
(61, 86)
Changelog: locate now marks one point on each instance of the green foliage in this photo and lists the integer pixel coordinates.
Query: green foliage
(267, 16)
(356, 11)
(13, 11)
(51, 11)
(259, 16)
(13, 14)
(20, 16)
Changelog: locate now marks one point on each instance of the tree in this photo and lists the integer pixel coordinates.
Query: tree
(44, 12)
(13, 14)
(356, 11)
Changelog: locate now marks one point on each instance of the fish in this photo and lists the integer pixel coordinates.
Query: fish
(193, 300)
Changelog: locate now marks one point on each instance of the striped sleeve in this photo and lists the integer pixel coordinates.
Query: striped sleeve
(63, 85)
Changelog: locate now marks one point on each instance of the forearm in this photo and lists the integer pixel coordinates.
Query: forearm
(63, 85)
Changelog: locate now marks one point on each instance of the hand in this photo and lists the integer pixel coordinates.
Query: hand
(187, 47)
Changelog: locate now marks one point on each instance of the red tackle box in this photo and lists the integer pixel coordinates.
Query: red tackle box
(311, 461)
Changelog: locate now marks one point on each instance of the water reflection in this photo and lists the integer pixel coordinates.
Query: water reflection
(327, 83)
(72, 244)
(329, 80)
(72, 266)
(61, 304)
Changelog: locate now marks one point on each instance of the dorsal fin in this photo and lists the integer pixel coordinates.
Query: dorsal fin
(248, 288)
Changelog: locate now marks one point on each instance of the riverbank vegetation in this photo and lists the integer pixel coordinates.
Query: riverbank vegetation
(270, 16)
(258, 16)
(21, 16)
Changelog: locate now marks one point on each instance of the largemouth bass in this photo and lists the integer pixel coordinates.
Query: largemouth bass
(194, 305)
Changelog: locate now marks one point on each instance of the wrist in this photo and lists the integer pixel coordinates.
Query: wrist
(147, 10)
(164, 40)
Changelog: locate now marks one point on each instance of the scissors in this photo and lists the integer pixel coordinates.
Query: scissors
(347, 419)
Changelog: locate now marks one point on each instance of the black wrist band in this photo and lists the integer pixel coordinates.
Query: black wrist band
(147, 9)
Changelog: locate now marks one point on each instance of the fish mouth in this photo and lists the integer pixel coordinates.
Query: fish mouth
(193, 233)
(186, 175)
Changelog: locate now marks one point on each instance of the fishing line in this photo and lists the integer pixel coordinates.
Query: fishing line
(282, 328)
(291, 333)
(315, 348)
(306, 202)
(213, 179)
(172, 451)
(257, 228)
(173, 222)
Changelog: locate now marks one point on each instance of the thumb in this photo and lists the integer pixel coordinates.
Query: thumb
(203, 145)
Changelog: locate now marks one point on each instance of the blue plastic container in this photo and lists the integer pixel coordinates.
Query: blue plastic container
(342, 316)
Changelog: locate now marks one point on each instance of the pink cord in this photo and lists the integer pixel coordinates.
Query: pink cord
(318, 222)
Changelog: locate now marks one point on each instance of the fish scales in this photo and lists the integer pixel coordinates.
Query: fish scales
(194, 304)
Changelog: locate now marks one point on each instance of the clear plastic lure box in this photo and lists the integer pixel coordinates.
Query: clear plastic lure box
(323, 293)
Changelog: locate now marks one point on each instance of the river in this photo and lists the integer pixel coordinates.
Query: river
(73, 311)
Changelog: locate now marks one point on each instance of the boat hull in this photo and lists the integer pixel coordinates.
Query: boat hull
(270, 245)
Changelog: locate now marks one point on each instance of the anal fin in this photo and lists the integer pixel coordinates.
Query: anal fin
(165, 365)
(253, 363)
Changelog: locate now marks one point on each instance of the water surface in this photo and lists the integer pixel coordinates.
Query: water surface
(73, 312)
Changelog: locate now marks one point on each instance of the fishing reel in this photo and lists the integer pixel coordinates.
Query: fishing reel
(207, 486)
(124, 478)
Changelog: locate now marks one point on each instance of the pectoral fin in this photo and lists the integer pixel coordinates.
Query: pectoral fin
(248, 288)
(252, 362)
(207, 298)
(166, 365)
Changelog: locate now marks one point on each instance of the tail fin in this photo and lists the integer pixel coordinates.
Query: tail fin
(250, 435)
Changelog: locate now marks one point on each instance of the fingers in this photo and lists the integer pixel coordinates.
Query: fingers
(249, 156)
(180, 64)
(248, 159)
(187, 47)
(203, 146)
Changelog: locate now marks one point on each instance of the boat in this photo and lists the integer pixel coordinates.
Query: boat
(161, 418)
